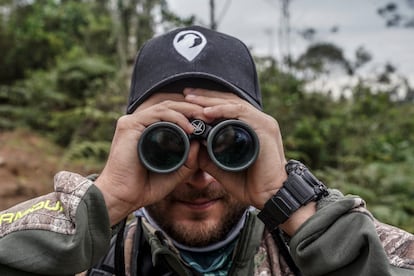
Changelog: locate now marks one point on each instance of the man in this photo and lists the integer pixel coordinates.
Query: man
(199, 219)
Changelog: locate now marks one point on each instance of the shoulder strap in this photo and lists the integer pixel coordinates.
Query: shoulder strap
(113, 262)
(137, 244)
(119, 251)
(142, 253)
(106, 266)
(128, 248)
(284, 251)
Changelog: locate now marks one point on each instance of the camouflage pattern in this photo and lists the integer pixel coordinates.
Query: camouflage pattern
(398, 245)
(268, 261)
(128, 247)
(53, 212)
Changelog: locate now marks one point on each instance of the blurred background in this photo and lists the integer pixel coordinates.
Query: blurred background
(337, 75)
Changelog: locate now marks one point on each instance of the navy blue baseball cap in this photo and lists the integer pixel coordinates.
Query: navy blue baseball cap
(194, 57)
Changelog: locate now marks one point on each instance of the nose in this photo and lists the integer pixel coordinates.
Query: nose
(200, 180)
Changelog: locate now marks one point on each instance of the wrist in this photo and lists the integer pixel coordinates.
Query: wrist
(117, 208)
(295, 221)
(293, 204)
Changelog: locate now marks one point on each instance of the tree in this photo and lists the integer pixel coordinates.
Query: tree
(52, 28)
(395, 16)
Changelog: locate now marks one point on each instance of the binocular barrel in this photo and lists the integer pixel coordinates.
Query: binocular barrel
(231, 144)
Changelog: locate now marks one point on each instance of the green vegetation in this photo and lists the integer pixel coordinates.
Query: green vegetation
(65, 69)
(362, 145)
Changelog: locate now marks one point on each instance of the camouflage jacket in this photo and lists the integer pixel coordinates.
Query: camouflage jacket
(68, 231)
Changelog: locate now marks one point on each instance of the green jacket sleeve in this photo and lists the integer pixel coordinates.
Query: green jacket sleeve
(61, 233)
(343, 238)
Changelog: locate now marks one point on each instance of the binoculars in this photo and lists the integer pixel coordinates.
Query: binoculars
(231, 144)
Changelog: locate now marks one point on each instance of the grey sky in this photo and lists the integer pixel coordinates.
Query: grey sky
(359, 25)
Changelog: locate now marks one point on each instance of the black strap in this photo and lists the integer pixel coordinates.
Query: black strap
(105, 266)
(99, 272)
(119, 251)
(136, 249)
(284, 251)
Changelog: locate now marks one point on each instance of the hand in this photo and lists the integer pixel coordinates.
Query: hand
(125, 183)
(258, 183)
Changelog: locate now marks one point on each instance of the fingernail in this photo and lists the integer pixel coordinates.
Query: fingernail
(190, 96)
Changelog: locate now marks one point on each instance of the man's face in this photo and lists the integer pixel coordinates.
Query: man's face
(198, 212)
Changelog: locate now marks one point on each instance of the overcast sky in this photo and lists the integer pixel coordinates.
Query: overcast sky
(254, 22)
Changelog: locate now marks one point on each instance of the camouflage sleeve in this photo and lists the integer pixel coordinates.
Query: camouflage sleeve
(60, 233)
(343, 238)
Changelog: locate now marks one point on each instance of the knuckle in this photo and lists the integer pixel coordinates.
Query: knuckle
(271, 122)
(163, 107)
(166, 104)
(123, 121)
(241, 107)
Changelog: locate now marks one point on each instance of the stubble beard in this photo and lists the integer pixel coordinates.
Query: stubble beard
(200, 232)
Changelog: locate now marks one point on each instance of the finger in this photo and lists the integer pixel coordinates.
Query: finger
(171, 111)
(204, 97)
(209, 93)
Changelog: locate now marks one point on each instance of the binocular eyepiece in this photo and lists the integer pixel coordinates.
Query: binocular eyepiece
(231, 144)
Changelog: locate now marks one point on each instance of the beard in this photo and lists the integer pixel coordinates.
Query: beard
(201, 231)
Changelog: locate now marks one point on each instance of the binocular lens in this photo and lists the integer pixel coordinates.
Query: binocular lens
(233, 146)
(164, 147)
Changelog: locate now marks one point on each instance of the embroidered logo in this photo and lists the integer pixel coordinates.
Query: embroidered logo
(189, 43)
(47, 205)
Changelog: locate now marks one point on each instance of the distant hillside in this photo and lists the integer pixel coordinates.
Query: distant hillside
(28, 163)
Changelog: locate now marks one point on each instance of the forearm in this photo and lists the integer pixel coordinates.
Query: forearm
(63, 232)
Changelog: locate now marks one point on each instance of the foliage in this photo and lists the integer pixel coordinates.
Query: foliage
(88, 151)
(52, 28)
(81, 90)
(361, 145)
(386, 187)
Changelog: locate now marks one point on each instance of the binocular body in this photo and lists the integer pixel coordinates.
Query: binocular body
(231, 144)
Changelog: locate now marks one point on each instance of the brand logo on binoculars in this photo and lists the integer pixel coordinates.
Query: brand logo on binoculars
(199, 127)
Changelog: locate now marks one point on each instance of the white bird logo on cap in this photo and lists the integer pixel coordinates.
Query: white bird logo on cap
(189, 43)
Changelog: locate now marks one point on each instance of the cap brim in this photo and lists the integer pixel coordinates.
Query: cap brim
(187, 76)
